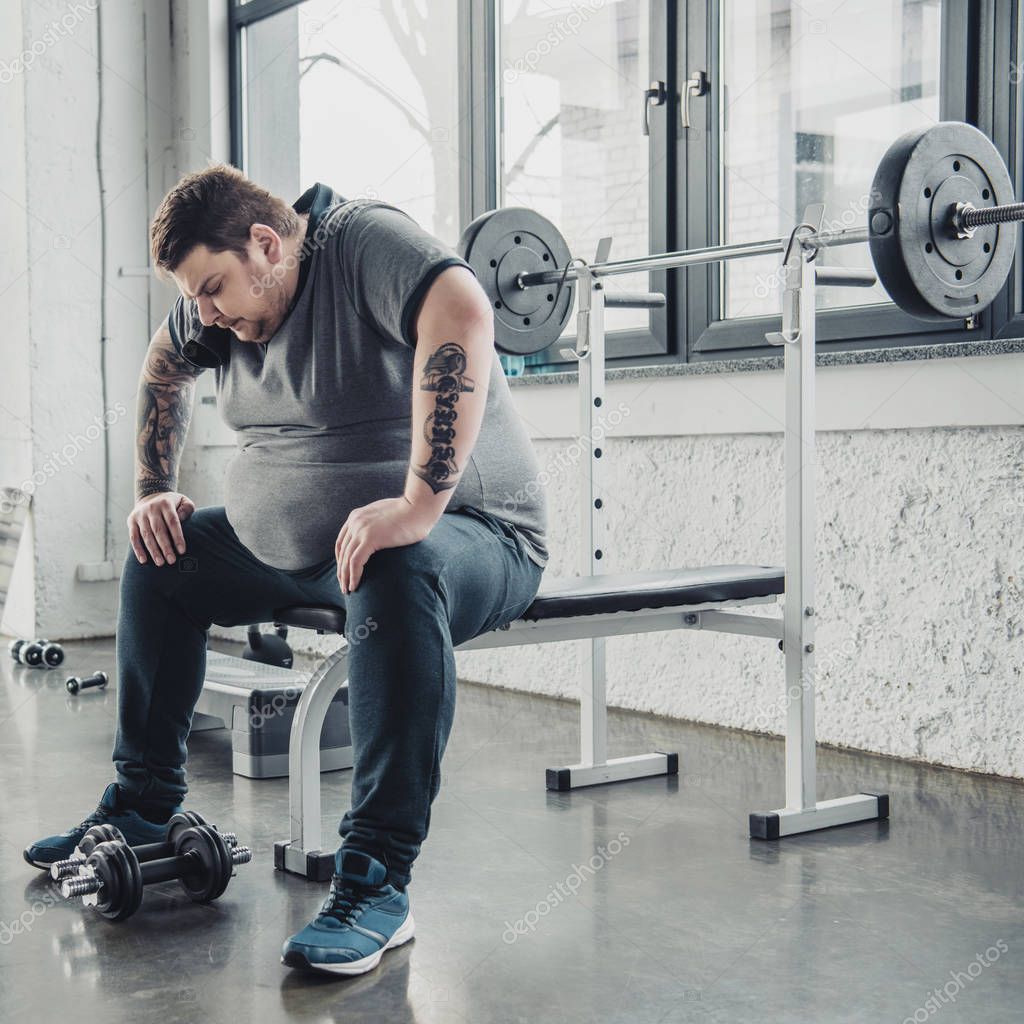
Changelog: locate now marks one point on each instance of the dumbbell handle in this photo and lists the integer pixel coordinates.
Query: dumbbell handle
(75, 683)
(155, 851)
(166, 870)
(149, 851)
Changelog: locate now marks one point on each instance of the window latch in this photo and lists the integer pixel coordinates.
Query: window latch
(696, 85)
(655, 96)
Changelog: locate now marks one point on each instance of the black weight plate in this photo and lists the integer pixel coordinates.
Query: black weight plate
(501, 244)
(210, 871)
(924, 267)
(181, 821)
(118, 867)
(228, 866)
(225, 855)
(97, 834)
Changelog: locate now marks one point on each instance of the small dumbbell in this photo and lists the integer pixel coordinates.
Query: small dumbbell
(111, 879)
(36, 653)
(105, 832)
(74, 683)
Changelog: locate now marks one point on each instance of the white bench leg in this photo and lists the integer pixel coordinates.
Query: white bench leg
(303, 853)
(594, 766)
(803, 811)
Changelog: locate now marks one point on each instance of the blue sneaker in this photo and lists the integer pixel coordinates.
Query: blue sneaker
(362, 916)
(111, 811)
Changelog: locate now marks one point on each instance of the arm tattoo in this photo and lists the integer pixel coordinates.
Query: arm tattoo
(164, 412)
(444, 373)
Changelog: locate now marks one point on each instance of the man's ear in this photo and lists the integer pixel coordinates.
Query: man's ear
(267, 241)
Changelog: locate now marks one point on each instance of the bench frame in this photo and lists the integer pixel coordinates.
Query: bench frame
(303, 853)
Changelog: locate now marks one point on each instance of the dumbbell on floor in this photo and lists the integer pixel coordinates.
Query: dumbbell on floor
(112, 879)
(75, 683)
(36, 653)
(102, 833)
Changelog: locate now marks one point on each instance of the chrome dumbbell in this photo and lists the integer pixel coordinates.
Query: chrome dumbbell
(36, 653)
(76, 683)
(103, 833)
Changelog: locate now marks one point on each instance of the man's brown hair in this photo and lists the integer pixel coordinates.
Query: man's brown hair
(215, 207)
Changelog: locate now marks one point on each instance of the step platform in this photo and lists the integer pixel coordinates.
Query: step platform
(257, 703)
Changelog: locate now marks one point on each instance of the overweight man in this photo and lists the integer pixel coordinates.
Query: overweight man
(377, 448)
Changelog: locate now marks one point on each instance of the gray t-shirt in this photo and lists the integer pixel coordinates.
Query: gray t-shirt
(323, 410)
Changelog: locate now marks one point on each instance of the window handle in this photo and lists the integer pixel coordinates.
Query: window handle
(696, 85)
(655, 96)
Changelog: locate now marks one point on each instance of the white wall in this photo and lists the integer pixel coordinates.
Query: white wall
(920, 501)
(67, 254)
(18, 615)
(54, 57)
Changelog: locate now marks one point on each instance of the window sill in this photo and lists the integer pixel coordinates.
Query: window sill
(961, 384)
(891, 354)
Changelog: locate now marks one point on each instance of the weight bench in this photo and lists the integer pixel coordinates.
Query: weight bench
(596, 606)
(564, 609)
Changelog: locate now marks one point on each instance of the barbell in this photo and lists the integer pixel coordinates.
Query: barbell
(941, 230)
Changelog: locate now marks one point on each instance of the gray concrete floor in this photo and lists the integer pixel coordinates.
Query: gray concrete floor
(687, 920)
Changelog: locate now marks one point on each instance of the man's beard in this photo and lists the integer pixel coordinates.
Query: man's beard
(266, 326)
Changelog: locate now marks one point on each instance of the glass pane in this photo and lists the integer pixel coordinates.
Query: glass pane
(812, 96)
(572, 80)
(363, 96)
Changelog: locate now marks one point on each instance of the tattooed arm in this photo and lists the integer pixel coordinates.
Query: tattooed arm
(454, 337)
(451, 376)
(166, 387)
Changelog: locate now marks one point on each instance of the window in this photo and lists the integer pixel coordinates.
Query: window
(572, 146)
(542, 103)
(362, 95)
(807, 99)
(791, 134)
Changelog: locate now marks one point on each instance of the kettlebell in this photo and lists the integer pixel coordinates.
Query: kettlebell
(268, 648)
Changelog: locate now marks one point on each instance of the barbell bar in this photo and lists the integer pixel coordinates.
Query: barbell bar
(941, 230)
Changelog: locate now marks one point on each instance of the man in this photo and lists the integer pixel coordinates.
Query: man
(354, 358)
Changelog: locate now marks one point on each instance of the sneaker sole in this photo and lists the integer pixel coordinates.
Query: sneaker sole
(35, 863)
(403, 935)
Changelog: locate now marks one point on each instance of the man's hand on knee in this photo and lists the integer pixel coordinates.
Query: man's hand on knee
(154, 526)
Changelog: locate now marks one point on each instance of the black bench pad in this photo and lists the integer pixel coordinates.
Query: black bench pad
(603, 595)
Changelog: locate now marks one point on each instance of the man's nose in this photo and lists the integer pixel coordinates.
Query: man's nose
(207, 311)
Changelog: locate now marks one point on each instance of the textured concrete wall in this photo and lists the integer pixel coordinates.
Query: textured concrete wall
(920, 588)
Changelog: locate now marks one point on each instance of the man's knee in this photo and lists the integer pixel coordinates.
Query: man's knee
(395, 581)
(198, 531)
